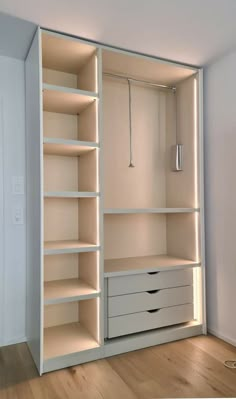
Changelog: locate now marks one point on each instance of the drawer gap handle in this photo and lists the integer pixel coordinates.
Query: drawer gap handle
(151, 273)
(153, 291)
(153, 310)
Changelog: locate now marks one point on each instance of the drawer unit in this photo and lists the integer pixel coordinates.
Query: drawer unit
(132, 303)
(149, 281)
(148, 320)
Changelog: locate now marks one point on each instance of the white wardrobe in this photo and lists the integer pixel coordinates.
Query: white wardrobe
(115, 213)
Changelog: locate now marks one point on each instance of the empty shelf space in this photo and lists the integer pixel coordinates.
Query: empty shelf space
(115, 211)
(70, 194)
(136, 265)
(68, 61)
(67, 290)
(68, 246)
(55, 146)
(66, 339)
(66, 100)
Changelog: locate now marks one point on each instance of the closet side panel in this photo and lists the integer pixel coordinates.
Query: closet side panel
(181, 187)
(34, 200)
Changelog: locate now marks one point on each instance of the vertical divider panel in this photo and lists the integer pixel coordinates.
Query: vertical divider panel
(34, 218)
(100, 302)
(202, 272)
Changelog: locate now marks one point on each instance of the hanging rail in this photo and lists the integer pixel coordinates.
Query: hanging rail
(115, 75)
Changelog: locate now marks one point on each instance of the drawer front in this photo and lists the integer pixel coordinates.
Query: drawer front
(132, 303)
(136, 322)
(149, 281)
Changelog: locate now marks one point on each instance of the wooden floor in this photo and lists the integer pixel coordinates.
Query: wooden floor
(189, 368)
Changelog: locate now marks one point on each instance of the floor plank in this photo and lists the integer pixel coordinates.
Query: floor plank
(188, 368)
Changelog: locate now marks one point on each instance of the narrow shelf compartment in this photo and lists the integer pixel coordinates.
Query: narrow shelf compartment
(116, 211)
(70, 327)
(54, 146)
(68, 246)
(140, 264)
(70, 194)
(66, 100)
(69, 61)
(67, 339)
(69, 290)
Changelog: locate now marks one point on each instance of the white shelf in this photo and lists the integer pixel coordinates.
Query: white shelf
(118, 211)
(67, 339)
(70, 194)
(66, 100)
(145, 264)
(55, 146)
(70, 290)
(68, 246)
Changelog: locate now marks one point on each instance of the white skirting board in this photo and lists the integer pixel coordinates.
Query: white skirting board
(151, 338)
(125, 344)
(222, 336)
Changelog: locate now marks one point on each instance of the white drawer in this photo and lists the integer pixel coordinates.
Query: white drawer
(149, 281)
(136, 322)
(132, 303)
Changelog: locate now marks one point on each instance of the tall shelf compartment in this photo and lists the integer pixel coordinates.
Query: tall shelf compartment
(152, 211)
(63, 78)
(115, 254)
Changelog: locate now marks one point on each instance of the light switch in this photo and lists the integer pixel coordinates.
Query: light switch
(18, 216)
(18, 185)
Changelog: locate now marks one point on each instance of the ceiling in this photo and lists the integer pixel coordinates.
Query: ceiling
(190, 31)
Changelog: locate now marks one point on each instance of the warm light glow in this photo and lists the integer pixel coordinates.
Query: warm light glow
(98, 320)
(97, 204)
(196, 271)
(96, 72)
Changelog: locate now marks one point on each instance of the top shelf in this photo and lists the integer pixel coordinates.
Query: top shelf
(66, 100)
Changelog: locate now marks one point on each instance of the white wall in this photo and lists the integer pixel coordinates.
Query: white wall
(12, 237)
(220, 191)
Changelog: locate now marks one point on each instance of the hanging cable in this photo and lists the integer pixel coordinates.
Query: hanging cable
(131, 164)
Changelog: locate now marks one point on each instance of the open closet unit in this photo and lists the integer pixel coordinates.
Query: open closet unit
(115, 218)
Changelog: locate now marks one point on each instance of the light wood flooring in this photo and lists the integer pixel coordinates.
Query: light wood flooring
(188, 368)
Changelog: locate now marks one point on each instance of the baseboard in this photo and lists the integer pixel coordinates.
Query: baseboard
(14, 341)
(222, 336)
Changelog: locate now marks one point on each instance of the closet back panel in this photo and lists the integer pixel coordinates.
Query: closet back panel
(61, 219)
(144, 185)
(134, 235)
(60, 267)
(66, 173)
(67, 266)
(64, 313)
(61, 173)
(84, 312)
(57, 125)
(72, 127)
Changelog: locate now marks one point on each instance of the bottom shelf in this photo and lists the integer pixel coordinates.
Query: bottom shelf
(67, 339)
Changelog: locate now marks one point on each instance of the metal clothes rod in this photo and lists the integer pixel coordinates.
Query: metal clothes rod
(114, 75)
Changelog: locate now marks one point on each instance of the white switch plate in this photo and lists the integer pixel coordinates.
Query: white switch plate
(18, 216)
(18, 185)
